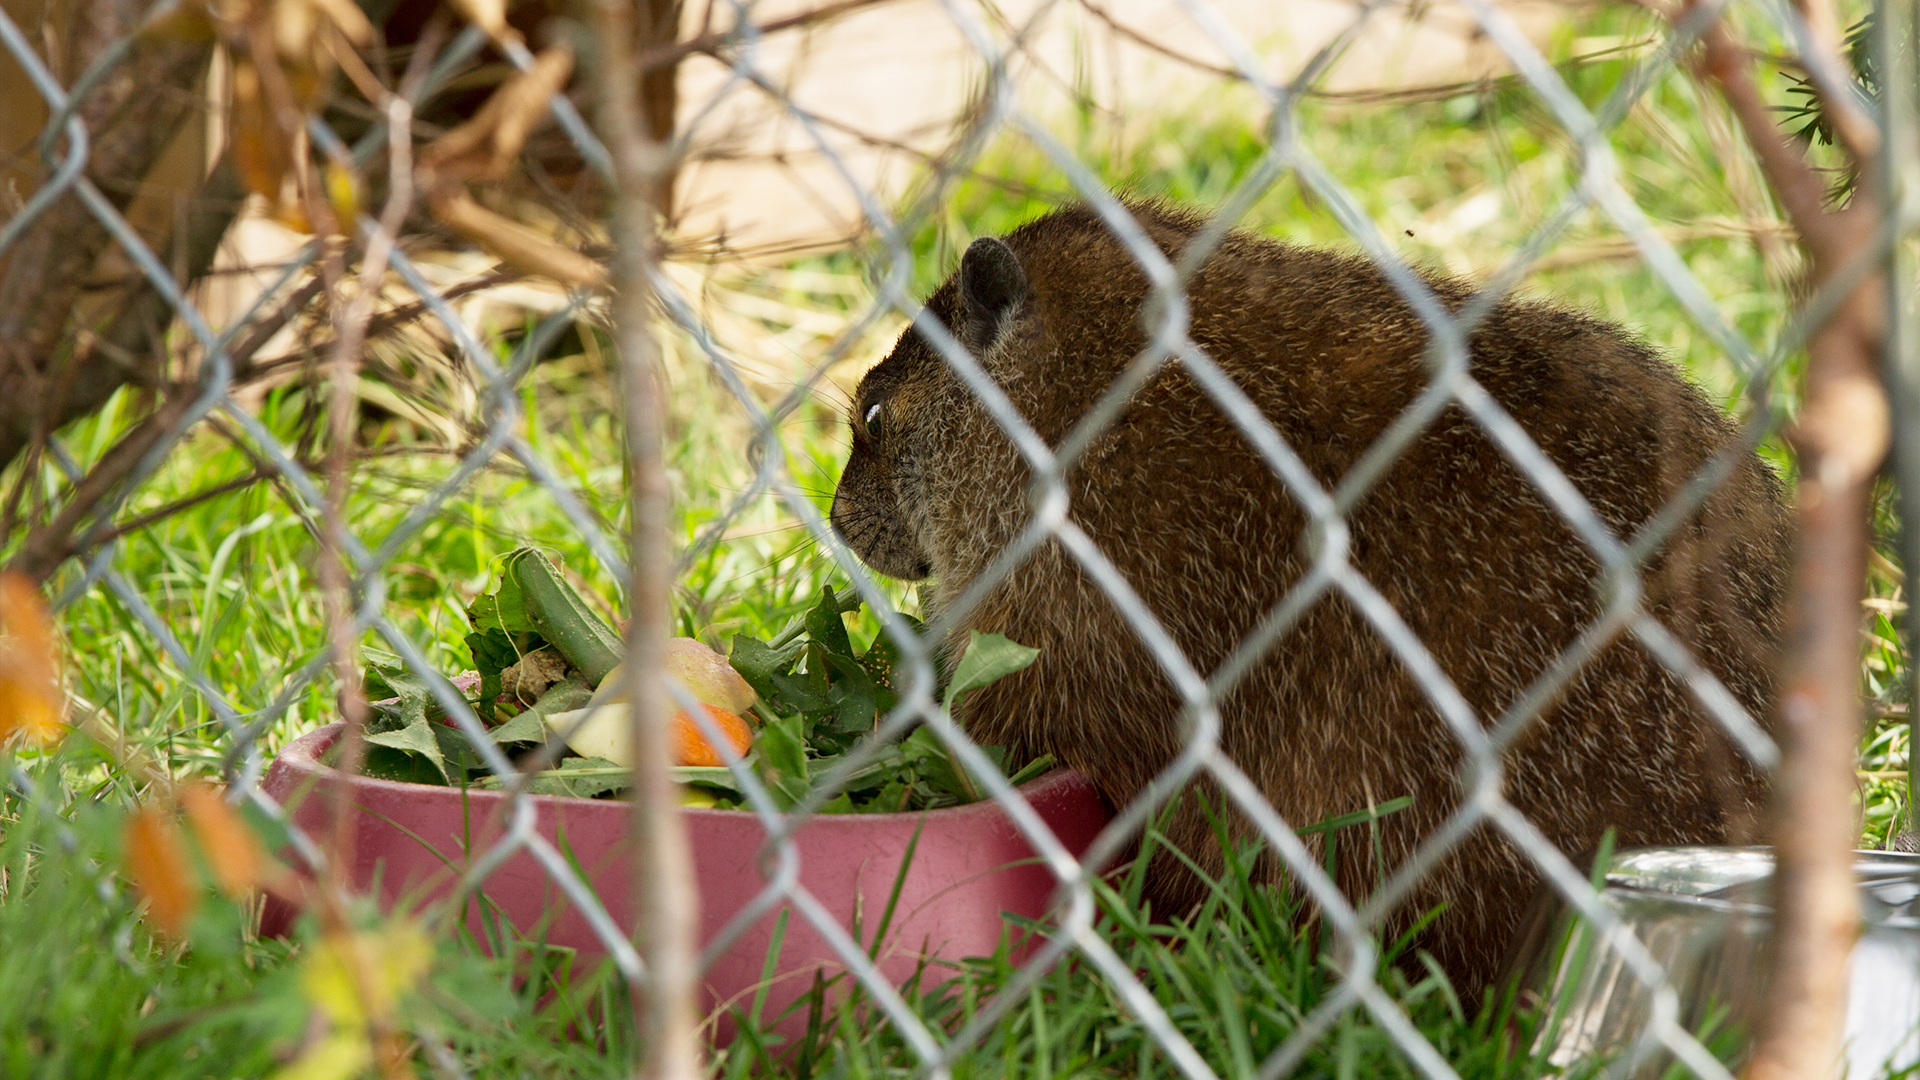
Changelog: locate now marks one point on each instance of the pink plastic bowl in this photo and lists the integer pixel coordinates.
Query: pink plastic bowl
(969, 867)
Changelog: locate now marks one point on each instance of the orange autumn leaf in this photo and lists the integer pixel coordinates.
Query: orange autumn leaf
(26, 713)
(30, 698)
(157, 864)
(23, 614)
(260, 150)
(231, 849)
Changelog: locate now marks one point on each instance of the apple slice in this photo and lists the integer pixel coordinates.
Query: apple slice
(705, 673)
(603, 734)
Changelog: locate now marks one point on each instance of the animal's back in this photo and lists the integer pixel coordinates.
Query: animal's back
(1450, 540)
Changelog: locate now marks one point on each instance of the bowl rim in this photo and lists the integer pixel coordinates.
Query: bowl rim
(302, 756)
(1735, 896)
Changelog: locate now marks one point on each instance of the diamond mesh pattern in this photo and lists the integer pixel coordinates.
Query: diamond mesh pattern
(498, 366)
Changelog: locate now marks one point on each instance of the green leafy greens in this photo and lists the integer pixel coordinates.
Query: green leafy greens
(819, 698)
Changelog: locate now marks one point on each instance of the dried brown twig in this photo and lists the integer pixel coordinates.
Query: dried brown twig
(667, 915)
(713, 43)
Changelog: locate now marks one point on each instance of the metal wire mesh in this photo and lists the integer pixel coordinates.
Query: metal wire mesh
(385, 251)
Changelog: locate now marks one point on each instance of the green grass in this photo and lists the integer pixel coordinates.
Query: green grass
(92, 991)
(1236, 978)
(1457, 183)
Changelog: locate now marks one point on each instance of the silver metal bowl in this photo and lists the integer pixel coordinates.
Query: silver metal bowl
(1704, 915)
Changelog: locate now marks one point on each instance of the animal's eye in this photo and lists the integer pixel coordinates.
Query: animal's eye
(873, 421)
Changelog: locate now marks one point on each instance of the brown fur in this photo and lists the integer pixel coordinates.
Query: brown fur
(1465, 548)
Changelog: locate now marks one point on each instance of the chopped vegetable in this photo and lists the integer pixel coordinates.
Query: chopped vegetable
(704, 673)
(690, 744)
(819, 698)
(599, 732)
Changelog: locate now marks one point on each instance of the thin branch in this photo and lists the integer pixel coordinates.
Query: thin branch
(178, 506)
(264, 330)
(401, 316)
(1840, 439)
(710, 44)
(46, 546)
(662, 873)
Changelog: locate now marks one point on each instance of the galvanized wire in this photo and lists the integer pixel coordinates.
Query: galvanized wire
(1354, 922)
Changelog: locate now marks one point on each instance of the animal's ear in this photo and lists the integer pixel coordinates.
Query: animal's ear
(992, 286)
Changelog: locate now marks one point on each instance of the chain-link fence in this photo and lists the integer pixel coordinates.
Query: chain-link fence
(1372, 594)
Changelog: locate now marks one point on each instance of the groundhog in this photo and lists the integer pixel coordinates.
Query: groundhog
(1466, 549)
